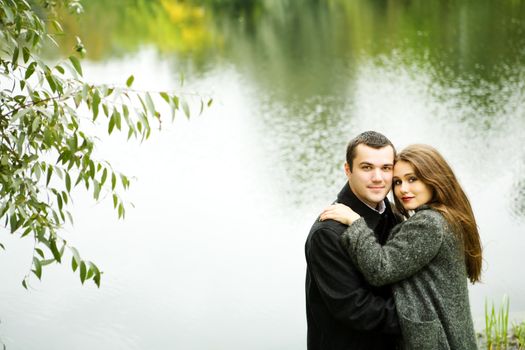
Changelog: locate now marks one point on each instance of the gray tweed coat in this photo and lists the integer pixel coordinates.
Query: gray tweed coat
(425, 263)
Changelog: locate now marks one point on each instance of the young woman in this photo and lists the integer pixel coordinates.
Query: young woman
(428, 257)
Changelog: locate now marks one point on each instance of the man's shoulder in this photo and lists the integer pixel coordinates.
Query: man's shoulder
(327, 227)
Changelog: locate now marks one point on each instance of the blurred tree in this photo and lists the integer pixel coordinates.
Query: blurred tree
(46, 112)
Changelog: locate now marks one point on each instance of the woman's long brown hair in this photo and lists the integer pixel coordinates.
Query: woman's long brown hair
(448, 198)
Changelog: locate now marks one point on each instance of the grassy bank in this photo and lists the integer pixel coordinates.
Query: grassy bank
(497, 334)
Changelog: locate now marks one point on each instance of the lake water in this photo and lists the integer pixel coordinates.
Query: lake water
(211, 255)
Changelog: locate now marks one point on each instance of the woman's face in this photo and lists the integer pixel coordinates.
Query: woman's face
(410, 191)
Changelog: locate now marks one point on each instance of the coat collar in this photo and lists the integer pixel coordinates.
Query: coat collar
(347, 197)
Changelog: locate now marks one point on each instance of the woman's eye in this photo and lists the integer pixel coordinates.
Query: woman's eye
(412, 179)
(397, 182)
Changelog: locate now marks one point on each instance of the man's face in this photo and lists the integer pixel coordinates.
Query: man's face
(371, 175)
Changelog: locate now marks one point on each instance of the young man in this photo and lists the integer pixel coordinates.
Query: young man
(343, 311)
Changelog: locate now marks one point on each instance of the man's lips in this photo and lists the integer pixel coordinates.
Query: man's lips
(376, 188)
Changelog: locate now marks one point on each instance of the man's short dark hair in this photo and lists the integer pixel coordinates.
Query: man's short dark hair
(368, 138)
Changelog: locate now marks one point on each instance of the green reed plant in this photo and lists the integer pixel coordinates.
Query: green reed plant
(497, 325)
(519, 334)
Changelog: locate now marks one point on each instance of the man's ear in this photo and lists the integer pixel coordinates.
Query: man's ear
(347, 170)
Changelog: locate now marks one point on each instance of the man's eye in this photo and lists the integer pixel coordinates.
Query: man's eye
(387, 168)
(367, 167)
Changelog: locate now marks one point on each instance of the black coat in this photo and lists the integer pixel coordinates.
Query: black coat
(343, 311)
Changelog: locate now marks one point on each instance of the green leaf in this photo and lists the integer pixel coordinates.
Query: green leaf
(125, 181)
(76, 64)
(118, 119)
(113, 181)
(40, 252)
(96, 278)
(165, 96)
(175, 100)
(96, 190)
(59, 202)
(105, 109)
(49, 173)
(111, 124)
(76, 255)
(2, 246)
(210, 101)
(15, 58)
(15, 222)
(51, 81)
(9, 13)
(64, 197)
(121, 211)
(57, 27)
(59, 172)
(24, 283)
(150, 104)
(26, 54)
(104, 176)
(70, 217)
(38, 268)
(96, 103)
(74, 264)
(47, 262)
(60, 69)
(130, 80)
(91, 169)
(186, 108)
(54, 249)
(125, 110)
(62, 249)
(96, 273)
(26, 232)
(90, 272)
(115, 201)
(68, 182)
(82, 271)
(36, 124)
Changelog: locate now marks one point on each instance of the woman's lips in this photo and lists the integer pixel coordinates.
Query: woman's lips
(406, 199)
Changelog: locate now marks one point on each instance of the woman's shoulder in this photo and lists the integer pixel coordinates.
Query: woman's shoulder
(426, 211)
(429, 217)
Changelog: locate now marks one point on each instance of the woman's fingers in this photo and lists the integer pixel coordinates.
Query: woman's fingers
(339, 212)
(330, 212)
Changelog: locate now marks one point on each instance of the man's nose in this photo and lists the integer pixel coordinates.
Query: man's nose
(376, 175)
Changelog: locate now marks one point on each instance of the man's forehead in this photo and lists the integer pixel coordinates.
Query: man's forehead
(376, 156)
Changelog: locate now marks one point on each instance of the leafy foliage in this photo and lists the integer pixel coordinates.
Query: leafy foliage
(46, 112)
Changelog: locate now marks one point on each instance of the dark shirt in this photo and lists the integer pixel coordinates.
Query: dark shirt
(343, 311)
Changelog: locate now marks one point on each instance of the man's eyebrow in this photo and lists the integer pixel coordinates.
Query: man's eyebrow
(368, 163)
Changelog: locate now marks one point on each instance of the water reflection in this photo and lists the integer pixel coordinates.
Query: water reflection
(312, 38)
